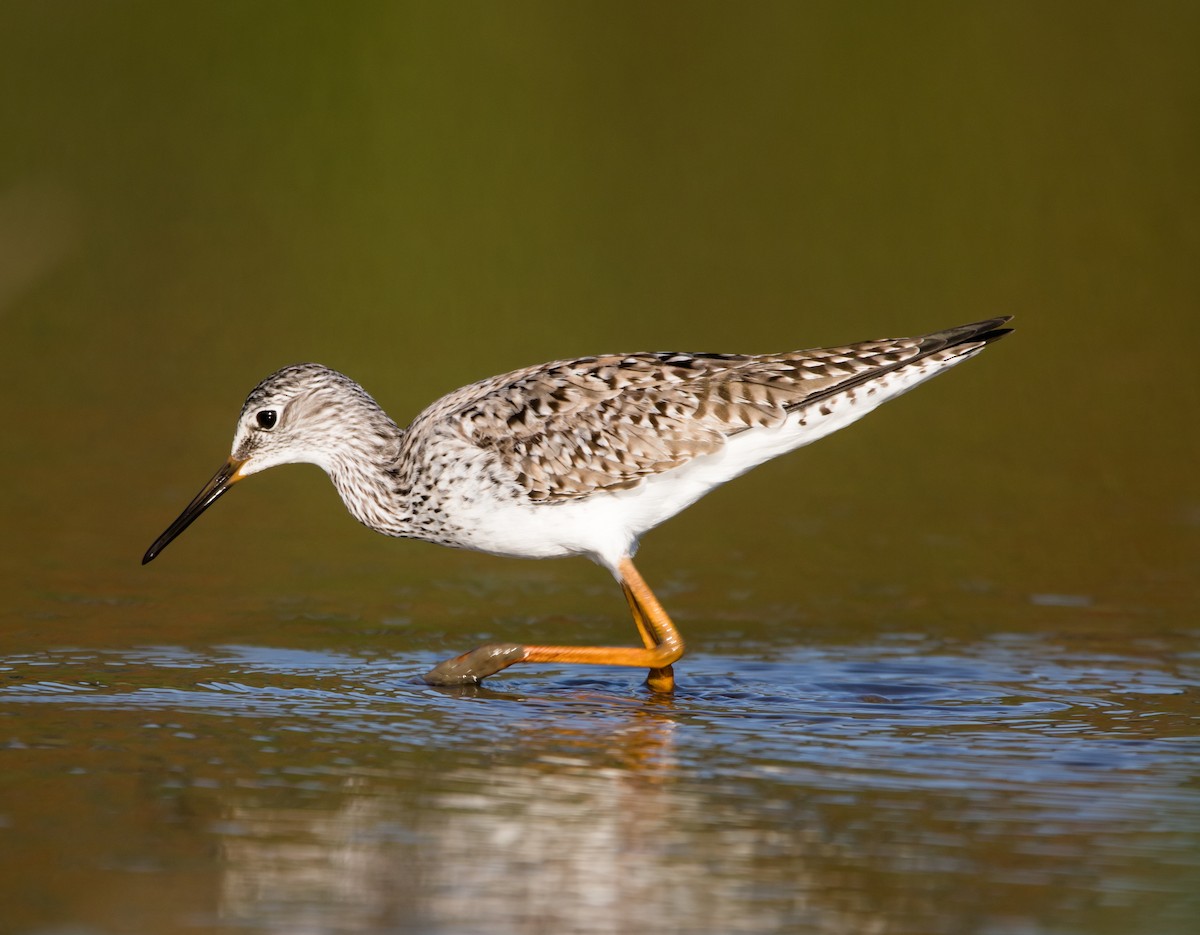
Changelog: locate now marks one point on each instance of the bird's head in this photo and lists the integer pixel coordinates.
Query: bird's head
(305, 413)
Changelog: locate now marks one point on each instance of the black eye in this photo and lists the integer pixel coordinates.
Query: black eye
(266, 418)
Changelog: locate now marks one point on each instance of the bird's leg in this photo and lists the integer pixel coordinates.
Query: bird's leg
(663, 679)
(473, 667)
(663, 645)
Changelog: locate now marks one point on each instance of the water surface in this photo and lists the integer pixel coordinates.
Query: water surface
(909, 784)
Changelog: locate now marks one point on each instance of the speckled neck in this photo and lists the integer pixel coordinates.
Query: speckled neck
(364, 473)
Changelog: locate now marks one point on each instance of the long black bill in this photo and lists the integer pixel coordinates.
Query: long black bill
(221, 481)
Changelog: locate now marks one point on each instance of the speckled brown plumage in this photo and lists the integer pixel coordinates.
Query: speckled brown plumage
(570, 428)
(574, 457)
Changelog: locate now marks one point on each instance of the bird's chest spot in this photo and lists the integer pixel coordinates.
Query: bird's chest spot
(455, 487)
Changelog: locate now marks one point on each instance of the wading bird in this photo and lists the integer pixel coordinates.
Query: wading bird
(573, 457)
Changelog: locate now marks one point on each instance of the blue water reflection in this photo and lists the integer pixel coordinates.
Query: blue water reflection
(829, 789)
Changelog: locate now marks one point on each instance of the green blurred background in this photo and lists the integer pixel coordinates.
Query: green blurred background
(194, 194)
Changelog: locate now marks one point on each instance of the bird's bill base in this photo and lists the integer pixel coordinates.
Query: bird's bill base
(227, 475)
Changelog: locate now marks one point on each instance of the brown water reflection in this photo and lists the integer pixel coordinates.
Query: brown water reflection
(552, 845)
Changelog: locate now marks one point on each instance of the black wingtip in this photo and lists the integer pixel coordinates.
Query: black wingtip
(994, 335)
(983, 332)
(996, 332)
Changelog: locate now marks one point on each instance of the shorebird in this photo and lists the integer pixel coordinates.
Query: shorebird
(573, 457)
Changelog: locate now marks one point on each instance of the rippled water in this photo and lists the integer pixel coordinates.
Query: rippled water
(907, 786)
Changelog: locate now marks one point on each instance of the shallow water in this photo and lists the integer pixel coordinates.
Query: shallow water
(905, 785)
(942, 669)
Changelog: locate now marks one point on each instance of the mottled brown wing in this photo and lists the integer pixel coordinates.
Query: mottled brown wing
(575, 427)
(570, 428)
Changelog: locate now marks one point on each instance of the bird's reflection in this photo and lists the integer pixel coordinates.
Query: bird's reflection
(583, 822)
(572, 837)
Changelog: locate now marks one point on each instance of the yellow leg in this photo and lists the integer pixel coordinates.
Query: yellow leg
(662, 645)
(661, 679)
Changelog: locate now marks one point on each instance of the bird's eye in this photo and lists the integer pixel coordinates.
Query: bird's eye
(266, 418)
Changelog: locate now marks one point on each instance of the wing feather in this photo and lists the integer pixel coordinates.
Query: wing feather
(570, 428)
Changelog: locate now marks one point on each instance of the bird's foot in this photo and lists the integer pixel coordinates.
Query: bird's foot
(473, 667)
(661, 680)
